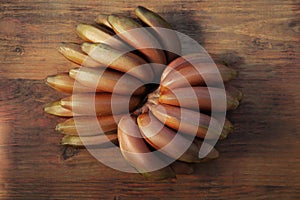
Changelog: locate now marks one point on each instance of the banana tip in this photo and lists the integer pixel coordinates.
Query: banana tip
(63, 102)
(62, 48)
(234, 73)
(50, 80)
(240, 95)
(58, 127)
(226, 131)
(48, 107)
(214, 154)
(235, 104)
(139, 9)
(79, 26)
(73, 72)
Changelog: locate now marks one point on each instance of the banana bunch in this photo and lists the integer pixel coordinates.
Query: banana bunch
(113, 88)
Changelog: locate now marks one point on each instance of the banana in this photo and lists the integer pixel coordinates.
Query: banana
(108, 80)
(234, 92)
(101, 141)
(167, 141)
(168, 39)
(137, 154)
(228, 127)
(213, 154)
(73, 52)
(199, 98)
(118, 60)
(193, 58)
(188, 121)
(64, 83)
(139, 37)
(55, 108)
(101, 19)
(100, 104)
(92, 34)
(88, 126)
(182, 167)
(187, 74)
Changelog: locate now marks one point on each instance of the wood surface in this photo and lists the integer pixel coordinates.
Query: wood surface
(260, 160)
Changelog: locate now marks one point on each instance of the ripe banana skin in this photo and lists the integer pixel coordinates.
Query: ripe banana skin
(168, 39)
(186, 74)
(73, 52)
(100, 104)
(107, 80)
(138, 38)
(55, 108)
(101, 141)
(89, 126)
(118, 60)
(199, 98)
(96, 35)
(101, 19)
(193, 58)
(137, 154)
(64, 83)
(163, 139)
(188, 121)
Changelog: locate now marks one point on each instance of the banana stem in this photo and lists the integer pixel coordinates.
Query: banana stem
(154, 97)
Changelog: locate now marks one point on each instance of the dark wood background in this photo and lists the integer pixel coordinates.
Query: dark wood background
(261, 160)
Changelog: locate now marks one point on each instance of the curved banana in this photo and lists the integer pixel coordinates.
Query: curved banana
(228, 127)
(234, 92)
(137, 153)
(168, 39)
(88, 126)
(100, 104)
(180, 167)
(55, 108)
(96, 35)
(199, 98)
(95, 141)
(108, 80)
(73, 52)
(140, 37)
(167, 141)
(101, 19)
(64, 83)
(198, 74)
(118, 60)
(193, 58)
(188, 121)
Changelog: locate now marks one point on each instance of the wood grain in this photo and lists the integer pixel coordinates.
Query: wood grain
(260, 160)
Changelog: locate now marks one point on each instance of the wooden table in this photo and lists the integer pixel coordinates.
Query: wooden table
(261, 160)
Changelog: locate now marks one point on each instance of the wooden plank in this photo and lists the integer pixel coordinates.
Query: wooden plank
(260, 160)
